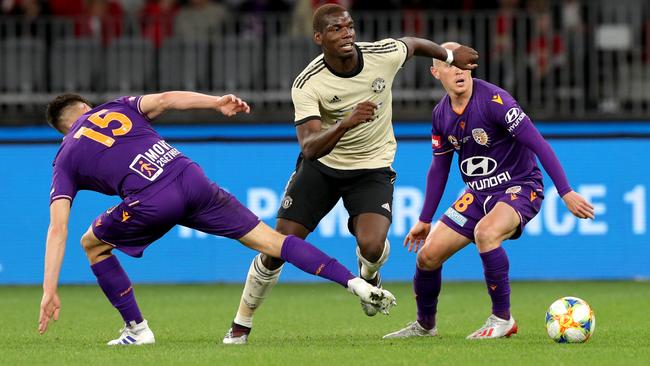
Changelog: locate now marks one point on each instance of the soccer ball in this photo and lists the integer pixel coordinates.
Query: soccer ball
(570, 320)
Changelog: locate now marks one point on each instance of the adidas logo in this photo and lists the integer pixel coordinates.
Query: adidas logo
(335, 99)
(386, 206)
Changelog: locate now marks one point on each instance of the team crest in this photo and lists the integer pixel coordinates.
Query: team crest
(513, 192)
(481, 137)
(454, 141)
(287, 202)
(378, 85)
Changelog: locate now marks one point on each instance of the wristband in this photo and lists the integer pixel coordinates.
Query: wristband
(450, 56)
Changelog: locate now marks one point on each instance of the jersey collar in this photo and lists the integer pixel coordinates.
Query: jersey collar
(352, 73)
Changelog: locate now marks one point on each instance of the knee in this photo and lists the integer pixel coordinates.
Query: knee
(95, 249)
(88, 242)
(371, 248)
(486, 238)
(429, 260)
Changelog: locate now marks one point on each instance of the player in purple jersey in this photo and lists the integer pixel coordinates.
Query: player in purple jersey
(112, 149)
(496, 144)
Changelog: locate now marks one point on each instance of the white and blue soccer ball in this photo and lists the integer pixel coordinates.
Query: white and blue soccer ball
(570, 320)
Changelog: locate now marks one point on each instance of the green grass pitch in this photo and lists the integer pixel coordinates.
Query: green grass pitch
(320, 324)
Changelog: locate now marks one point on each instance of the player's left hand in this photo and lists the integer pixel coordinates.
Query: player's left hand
(50, 306)
(230, 105)
(578, 206)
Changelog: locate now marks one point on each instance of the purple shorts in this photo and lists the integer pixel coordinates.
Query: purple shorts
(472, 206)
(190, 200)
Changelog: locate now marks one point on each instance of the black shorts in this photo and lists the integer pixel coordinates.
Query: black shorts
(314, 189)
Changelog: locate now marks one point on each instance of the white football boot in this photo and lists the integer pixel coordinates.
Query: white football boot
(368, 308)
(495, 327)
(380, 298)
(134, 334)
(413, 329)
(237, 334)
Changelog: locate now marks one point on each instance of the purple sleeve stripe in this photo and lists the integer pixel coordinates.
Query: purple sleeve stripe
(137, 103)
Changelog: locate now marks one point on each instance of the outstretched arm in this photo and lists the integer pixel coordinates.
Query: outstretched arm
(462, 57)
(533, 140)
(57, 235)
(436, 182)
(153, 105)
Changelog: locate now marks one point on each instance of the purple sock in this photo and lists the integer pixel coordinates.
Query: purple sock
(426, 285)
(496, 267)
(311, 260)
(117, 287)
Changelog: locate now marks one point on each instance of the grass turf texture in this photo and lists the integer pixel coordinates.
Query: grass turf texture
(322, 324)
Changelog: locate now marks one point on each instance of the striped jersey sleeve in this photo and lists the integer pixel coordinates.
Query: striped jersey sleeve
(305, 100)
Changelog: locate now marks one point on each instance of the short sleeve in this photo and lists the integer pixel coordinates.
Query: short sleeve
(305, 105)
(63, 183)
(506, 112)
(395, 50)
(402, 52)
(439, 144)
(133, 102)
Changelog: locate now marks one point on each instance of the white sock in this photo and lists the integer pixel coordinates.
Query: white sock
(259, 282)
(369, 269)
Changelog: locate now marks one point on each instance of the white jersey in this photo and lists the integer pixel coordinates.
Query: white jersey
(321, 93)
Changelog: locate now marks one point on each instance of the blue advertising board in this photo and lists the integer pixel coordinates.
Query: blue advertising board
(611, 173)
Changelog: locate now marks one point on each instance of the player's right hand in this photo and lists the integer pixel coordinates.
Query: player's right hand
(465, 58)
(363, 112)
(50, 306)
(230, 105)
(417, 235)
(578, 206)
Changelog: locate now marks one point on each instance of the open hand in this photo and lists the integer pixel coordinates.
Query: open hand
(417, 235)
(230, 105)
(50, 306)
(578, 206)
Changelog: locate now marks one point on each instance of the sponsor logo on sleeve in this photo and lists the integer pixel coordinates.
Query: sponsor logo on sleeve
(436, 141)
(514, 116)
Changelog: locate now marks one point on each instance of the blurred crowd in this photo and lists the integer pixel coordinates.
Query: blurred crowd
(160, 19)
(534, 39)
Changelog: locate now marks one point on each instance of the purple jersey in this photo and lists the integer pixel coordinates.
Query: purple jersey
(112, 149)
(483, 135)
